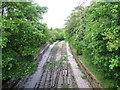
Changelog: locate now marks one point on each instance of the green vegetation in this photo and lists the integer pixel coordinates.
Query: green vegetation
(56, 34)
(99, 74)
(93, 32)
(22, 34)
(51, 62)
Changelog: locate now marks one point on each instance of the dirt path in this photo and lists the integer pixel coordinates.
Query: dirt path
(57, 69)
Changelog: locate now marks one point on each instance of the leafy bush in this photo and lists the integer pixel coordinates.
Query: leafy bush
(56, 34)
(22, 34)
(94, 31)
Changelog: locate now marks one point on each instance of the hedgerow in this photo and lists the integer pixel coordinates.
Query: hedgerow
(95, 32)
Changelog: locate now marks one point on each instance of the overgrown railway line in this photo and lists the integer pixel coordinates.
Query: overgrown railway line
(54, 70)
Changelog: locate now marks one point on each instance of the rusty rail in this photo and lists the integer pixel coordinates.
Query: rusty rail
(90, 77)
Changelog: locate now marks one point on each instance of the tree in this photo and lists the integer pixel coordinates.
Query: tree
(22, 34)
(94, 32)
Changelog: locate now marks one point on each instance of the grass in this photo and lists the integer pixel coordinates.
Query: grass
(51, 56)
(65, 86)
(105, 83)
(99, 74)
(84, 76)
(53, 63)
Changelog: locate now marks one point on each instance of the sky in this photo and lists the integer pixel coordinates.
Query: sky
(58, 11)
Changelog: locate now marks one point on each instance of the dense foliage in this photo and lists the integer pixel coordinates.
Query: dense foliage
(95, 32)
(56, 34)
(22, 33)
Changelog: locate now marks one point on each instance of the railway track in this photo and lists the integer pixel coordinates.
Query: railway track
(57, 73)
(54, 71)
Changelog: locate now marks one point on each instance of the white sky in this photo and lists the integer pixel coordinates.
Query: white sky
(58, 10)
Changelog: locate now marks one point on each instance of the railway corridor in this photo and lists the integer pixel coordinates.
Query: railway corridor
(56, 69)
